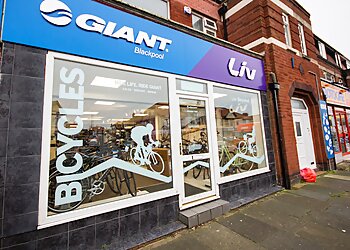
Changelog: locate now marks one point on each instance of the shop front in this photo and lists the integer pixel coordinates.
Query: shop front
(138, 113)
(338, 102)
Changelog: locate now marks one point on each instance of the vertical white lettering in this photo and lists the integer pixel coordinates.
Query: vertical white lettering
(69, 131)
(69, 169)
(65, 194)
(69, 143)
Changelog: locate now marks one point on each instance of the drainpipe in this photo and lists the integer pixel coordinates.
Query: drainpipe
(222, 12)
(274, 87)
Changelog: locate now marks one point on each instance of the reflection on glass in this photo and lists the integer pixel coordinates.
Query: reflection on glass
(194, 133)
(197, 177)
(110, 136)
(239, 131)
(346, 133)
(341, 132)
(333, 129)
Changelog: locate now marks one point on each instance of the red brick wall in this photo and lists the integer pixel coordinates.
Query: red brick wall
(262, 18)
(206, 8)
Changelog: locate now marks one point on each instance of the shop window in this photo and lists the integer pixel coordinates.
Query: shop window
(110, 136)
(286, 28)
(158, 7)
(333, 129)
(239, 131)
(302, 39)
(204, 24)
(191, 86)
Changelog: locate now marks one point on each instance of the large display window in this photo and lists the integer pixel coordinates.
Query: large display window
(240, 138)
(115, 136)
(109, 137)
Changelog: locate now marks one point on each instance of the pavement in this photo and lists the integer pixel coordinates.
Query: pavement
(310, 216)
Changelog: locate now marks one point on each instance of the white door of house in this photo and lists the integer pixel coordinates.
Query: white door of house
(303, 134)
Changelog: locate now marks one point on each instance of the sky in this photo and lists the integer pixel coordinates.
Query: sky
(330, 21)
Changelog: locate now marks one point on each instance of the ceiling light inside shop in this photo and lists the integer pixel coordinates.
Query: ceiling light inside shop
(91, 113)
(91, 119)
(117, 120)
(104, 103)
(107, 82)
(140, 114)
(163, 107)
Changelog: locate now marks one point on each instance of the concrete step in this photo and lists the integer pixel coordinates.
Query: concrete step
(203, 213)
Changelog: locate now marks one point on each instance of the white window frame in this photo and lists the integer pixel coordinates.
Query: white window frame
(45, 221)
(207, 29)
(302, 39)
(234, 177)
(347, 64)
(286, 28)
(322, 49)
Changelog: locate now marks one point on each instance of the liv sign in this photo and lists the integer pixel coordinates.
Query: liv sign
(91, 29)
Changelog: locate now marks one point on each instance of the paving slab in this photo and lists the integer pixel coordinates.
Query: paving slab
(248, 227)
(316, 216)
(211, 236)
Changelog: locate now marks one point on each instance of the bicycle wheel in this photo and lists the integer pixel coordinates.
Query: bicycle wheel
(85, 185)
(196, 171)
(242, 147)
(254, 151)
(154, 161)
(114, 180)
(133, 158)
(130, 182)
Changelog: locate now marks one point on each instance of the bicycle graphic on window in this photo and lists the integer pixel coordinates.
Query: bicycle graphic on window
(143, 155)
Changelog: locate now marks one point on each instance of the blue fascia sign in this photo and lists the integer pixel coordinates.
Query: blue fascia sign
(326, 130)
(92, 29)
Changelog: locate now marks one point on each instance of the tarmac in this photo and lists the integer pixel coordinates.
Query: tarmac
(310, 216)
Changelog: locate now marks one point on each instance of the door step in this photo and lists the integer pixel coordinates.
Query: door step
(203, 213)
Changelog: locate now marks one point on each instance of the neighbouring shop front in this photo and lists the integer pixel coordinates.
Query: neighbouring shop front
(338, 104)
(138, 113)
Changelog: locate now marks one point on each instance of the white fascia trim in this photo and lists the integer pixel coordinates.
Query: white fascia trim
(284, 7)
(237, 8)
(271, 40)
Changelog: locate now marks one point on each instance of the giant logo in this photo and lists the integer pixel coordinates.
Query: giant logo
(56, 12)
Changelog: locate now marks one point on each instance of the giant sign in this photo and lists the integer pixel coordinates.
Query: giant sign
(91, 29)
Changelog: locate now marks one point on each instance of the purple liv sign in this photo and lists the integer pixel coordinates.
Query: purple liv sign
(91, 29)
(227, 66)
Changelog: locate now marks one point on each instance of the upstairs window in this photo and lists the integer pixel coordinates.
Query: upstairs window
(204, 24)
(302, 39)
(347, 64)
(157, 7)
(286, 29)
(322, 49)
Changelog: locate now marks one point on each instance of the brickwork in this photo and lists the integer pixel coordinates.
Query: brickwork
(206, 8)
(263, 19)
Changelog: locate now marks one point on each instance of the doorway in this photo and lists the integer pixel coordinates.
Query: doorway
(195, 157)
(303, 134)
